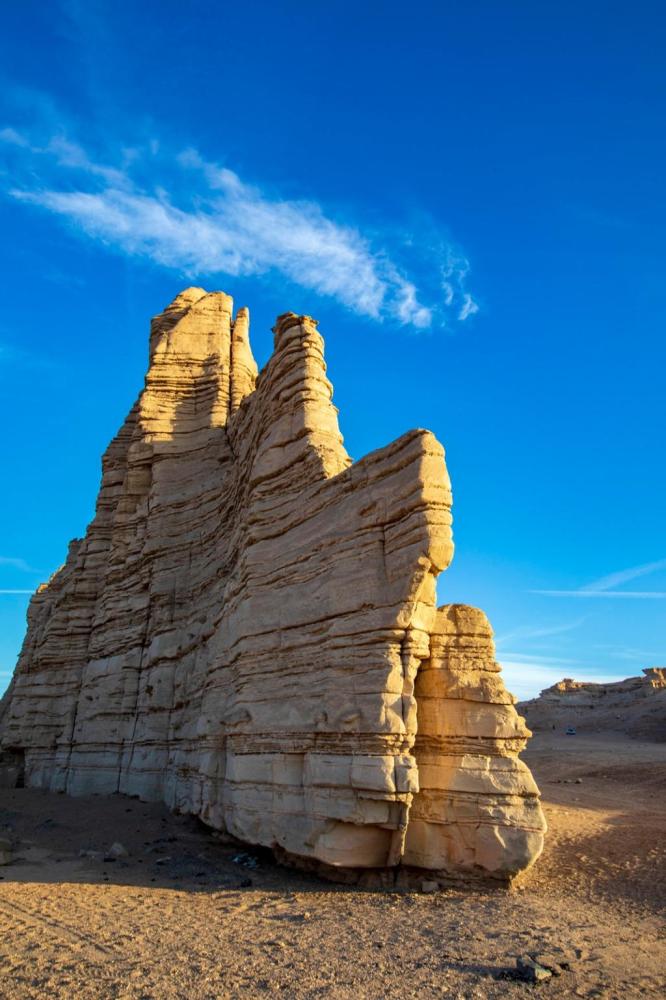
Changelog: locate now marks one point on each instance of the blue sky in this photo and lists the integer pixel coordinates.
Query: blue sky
(469, 197)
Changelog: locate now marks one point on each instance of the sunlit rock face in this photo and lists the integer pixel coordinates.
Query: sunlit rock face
(248, 629)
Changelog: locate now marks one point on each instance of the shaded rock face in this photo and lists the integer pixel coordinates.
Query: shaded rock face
(248, 629)
(635, 706)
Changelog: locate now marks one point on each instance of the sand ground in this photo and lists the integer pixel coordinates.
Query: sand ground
(183, 918)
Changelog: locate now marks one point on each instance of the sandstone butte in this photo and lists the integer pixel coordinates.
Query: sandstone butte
(248, 630)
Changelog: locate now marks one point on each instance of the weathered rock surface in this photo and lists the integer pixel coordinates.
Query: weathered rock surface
(6, 855)
(248, 629)
(477, 806)
(635, 706)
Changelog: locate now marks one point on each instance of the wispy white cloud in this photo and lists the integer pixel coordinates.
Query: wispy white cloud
(64, 153)
(603, 586)
(16, 563)
(536, 658)
(625, 575)
(468, 307)
(525, 674)
(16, 591)
(627, 652)
(537, 631)
(201, 218)
(14, 138)
(454, 271)
(640, 594)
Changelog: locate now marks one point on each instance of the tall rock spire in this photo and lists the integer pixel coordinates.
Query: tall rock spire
(244, 369)
(248, 629)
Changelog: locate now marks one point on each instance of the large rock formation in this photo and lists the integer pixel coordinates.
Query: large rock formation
(635, 706)
(248, 629)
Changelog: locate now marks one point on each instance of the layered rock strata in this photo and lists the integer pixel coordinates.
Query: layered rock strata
(635, 706)
(248, 630)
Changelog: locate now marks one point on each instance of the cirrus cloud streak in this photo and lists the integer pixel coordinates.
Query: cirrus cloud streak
(603, 586)
(199, 218)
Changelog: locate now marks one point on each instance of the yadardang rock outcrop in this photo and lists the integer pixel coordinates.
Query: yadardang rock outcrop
(248, 630)
(635, 706)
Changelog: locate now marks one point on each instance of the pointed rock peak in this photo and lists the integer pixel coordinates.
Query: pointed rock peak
(185, 300)
(242, 324)
(244, 368)
(187, 297)
(172, 314)
(287, 321)
(194, 316)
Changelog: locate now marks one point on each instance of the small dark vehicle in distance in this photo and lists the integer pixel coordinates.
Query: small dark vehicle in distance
(570, 731)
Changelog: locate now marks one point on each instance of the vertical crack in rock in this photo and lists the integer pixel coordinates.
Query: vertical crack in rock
(248, 629)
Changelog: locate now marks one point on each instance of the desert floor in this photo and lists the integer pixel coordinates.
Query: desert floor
(180, 918)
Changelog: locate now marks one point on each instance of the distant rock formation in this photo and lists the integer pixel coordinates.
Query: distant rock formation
(635, 706)
(248, 629)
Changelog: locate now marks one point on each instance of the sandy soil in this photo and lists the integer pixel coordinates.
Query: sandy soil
(183, 916)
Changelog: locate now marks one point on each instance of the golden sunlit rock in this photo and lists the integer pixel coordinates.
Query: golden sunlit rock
(248, 630)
